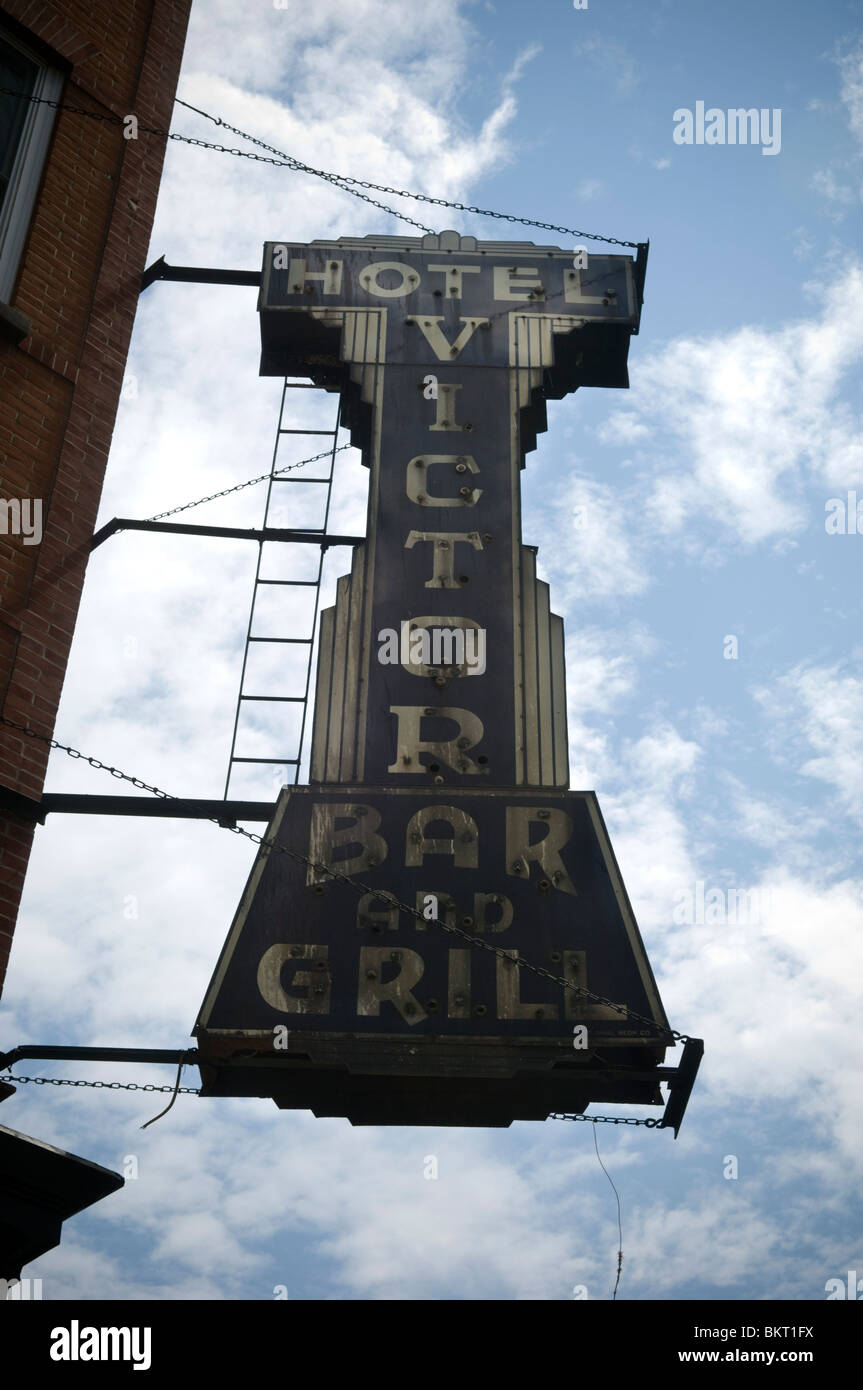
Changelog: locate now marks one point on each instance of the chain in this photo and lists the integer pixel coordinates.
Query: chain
(609, 1120)
(277, 473)
(283, 163)
(345, 182)
(402, 192)
(99, 1085)
(94, 762)
(195, 1091)
(383, 895)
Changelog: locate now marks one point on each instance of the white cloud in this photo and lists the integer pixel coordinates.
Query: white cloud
(647, 825)
(751, 415)
(777, 1001)
(826, 184)
(787, 832)
(613, 60)
(832, 183)
(407, 132)
(720, 1238)
(603, 668)
(603, 665)
(622, 429)
(304, 48)
(600, 551)
(820, 709)
(851, 89)
(804, 245)
(589, 189)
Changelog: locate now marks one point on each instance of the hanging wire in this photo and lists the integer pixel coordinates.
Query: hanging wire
(619, 1224)
(174, 1097)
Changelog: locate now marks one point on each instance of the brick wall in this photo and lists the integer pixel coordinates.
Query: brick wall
(60, 384)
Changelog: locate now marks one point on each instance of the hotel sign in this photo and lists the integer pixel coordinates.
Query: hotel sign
(439, 765)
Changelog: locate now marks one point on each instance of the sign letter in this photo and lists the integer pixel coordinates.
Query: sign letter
(452, 752)
(520, 851)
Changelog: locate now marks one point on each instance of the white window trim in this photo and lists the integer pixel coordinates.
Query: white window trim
(27, 170)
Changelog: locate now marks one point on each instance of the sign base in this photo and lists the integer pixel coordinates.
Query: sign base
(334, 997)
(425, 1081)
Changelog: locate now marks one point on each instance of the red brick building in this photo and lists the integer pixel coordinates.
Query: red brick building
(77, 200)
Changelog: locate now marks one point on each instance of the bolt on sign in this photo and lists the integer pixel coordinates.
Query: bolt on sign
(439, 761)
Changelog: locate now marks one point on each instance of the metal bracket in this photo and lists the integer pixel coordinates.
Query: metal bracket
(227, 813)
(680, 1085)
(240, 533)
(29, 1051)
(197, 275)
(639, 270)
(24, 806)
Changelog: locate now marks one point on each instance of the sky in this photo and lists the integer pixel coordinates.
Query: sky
(714, 657)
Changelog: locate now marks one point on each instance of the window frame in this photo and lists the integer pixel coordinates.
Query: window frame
(26, 175)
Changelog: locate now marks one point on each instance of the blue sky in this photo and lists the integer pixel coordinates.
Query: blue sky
(704, 489)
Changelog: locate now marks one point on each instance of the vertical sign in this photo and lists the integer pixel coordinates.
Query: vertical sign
(442, 648)
(439, 764)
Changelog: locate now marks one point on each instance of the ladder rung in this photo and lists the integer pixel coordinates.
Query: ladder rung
(281, 639)
(301, 480)
(309, 583)
(294, 762)
(331, 433)
(280, 699)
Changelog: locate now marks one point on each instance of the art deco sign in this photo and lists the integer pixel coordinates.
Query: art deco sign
(439, 766)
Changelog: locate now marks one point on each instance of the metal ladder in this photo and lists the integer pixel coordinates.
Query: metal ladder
(259, 584)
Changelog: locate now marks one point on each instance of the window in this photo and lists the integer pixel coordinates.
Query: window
(25, 130)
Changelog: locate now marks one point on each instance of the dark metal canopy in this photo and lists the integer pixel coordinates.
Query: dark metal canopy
(40, 1188)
